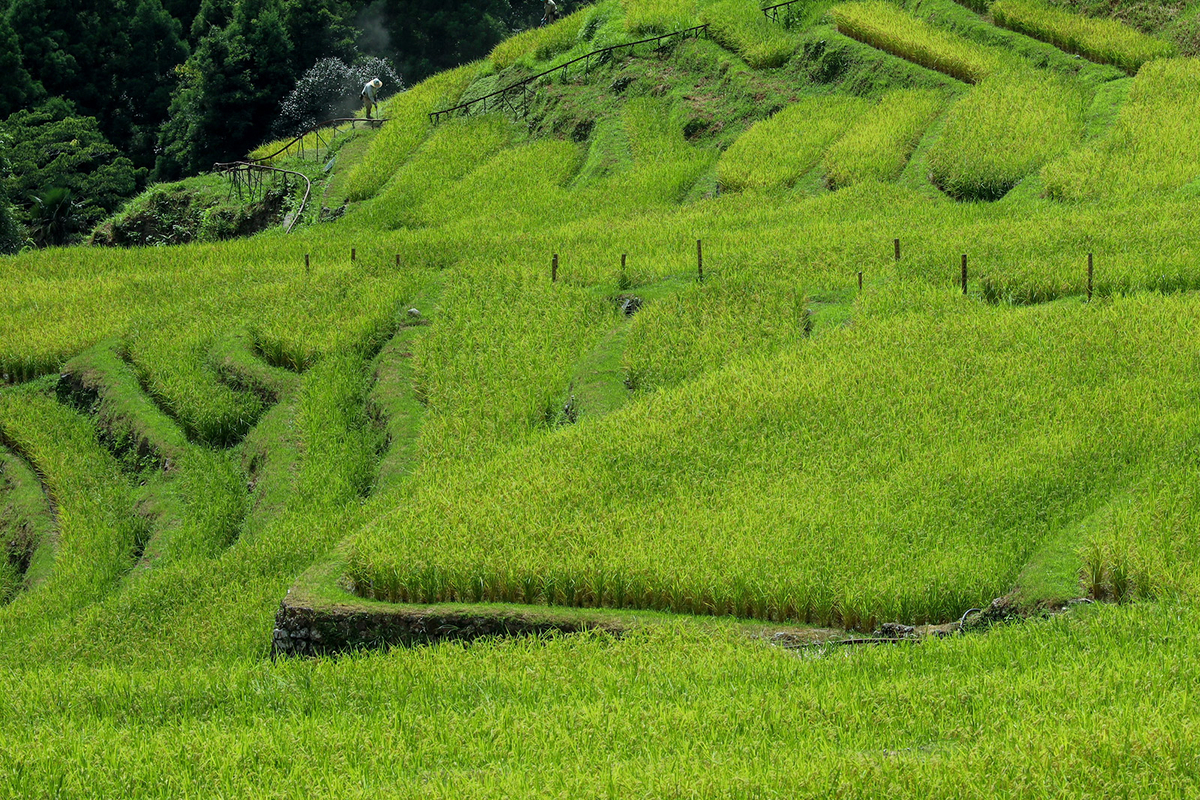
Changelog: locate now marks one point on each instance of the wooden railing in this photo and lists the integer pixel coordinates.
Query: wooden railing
(320, 130)
(249, 177)
(515, 97)
(773, 12)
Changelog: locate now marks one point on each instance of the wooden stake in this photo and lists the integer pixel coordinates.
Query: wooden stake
(964, 273)
(1090, 265)
(896, 242)
(622, 263)
(554, 269)
(397, 259)
(860, 280)
(700, 261)
(306, 263)
(353, 254)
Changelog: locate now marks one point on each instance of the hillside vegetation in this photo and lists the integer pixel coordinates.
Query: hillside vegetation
(871, 313)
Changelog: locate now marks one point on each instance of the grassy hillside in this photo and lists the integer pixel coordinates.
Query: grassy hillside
(684, 340)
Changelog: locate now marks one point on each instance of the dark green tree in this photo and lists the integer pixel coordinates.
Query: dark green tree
(422, 37)
(17, 90)
(55, 148)
(112, 58)
(11, 234)
(232, 84)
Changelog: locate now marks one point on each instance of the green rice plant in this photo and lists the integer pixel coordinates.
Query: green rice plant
(186, 387)
(1149, 149)
(455, 148)
(639, 715)
(887, 27)
(99, 535)
(877, 147)
(409, 123)
(1104, 40)
(499, 357)
(543, 42)
(776, 152)
(765, 463)
(1005, 129)
(522, 185)
(1142, 547)
(706, 326)
(648, 17)
(656, 165)
(741, 27)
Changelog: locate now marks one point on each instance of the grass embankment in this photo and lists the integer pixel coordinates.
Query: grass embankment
(27, 528)
(650, 17)
(741, 27)
(1105, 40)
(99, 535)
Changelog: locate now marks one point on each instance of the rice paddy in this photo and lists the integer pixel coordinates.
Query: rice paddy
(1104, 40)
(1006, 128)
(807, 418)
(779, 151)
(1149, 148)
(883, 25)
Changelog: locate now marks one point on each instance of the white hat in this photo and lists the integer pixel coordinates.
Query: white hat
(378, 84)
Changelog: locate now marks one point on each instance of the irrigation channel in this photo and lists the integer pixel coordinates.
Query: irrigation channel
(248, 176)
(515, 97)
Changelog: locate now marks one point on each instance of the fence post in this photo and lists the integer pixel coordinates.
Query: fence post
(353, 254)
(306, 263)
(964, 273)
(860, 280)
(896, 242)
(1089, 277)
(554, 269)
(700, 261)
(397, 259)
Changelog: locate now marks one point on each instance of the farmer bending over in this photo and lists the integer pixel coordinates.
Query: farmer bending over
(368, 95)
(550, 11)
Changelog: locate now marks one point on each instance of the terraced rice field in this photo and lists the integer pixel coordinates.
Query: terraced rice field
(683, 352)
